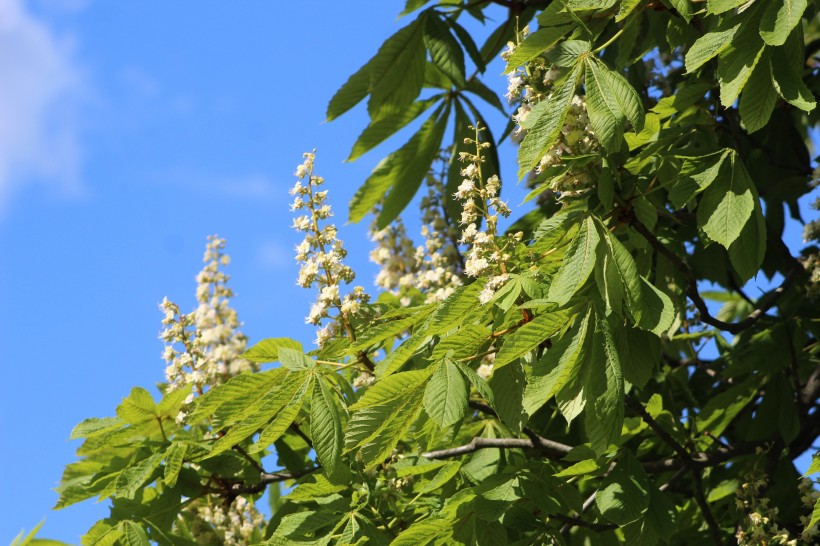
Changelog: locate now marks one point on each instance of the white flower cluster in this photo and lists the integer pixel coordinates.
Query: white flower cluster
(439, 260)
(236, 525)
(534, 84)
(321, 254)
(395, 254)
(480, 200)
(761, 525)
(202, 348)
(432, 268)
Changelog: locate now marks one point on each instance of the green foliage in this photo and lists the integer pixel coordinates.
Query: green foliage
(573, 386)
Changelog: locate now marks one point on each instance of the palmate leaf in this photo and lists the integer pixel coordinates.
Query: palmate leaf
(384, 414)
(710, 45)
(445, 396)
(560, 365)
(267, 350)
(736, 62)
(727, 204)
(327, 421)
(405, 185)
(649, 308)
(381, 129)
(779, 19)
(787, 72)
(715, 7)
(578, 263)
(232, 400)
(611, 102)
(530, 335)
(245, 413)
(380, 333)
(444, 50)
(759, 97)
(546, 127)
(400, 170)
(354, 90)
(605, 388)
(624, 494)
(138, 407)
(397, 71)
(535, 44)
(477, 381)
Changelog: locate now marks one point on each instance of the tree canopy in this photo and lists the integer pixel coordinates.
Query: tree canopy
(561, 381)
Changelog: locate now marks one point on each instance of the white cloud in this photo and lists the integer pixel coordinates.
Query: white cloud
(41, 89)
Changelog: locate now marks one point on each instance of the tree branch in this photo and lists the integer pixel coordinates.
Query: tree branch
(552, 450)
(764, 304)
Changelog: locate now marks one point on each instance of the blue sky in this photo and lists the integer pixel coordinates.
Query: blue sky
(129, 131)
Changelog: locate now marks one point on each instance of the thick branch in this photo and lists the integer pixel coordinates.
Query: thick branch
(764, 304)
(553, 450)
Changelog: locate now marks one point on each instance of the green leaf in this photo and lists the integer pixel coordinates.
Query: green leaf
(511, 381)
(758, 98)
(174, 457)
(546, 127)
(445, 396)
(708, 46)
(534, 45)
(559, 367)
(814, 467)
(95, 426)
(423, 532)
(381, 129)
(478, 382)
(684, 8)
(284, 415)
(722, 408)
(389, 330)
(384, 414)
(727, 204)
(232, 400)
(295, 360)
(135, 476)
(462, 343)
(444, 50)
(779, 19)
(787, 72)
(350, 94)
(400, 170)
(624, 495)
(255, 410)
(657, 313)
(469, 45)
(608, 279)
(409, 176)
(605, 388)
(639, 354)
(529, 336)
(577, 265)
(172, 402)
(267, 350)
(737, 61)
(327, 421)
(444, 475)
(133, 534)
(746, 253)
(138, 407)
(397, 71)
(611, 101)
(715, 7)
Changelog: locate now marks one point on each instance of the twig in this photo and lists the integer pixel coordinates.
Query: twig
(764, 304)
